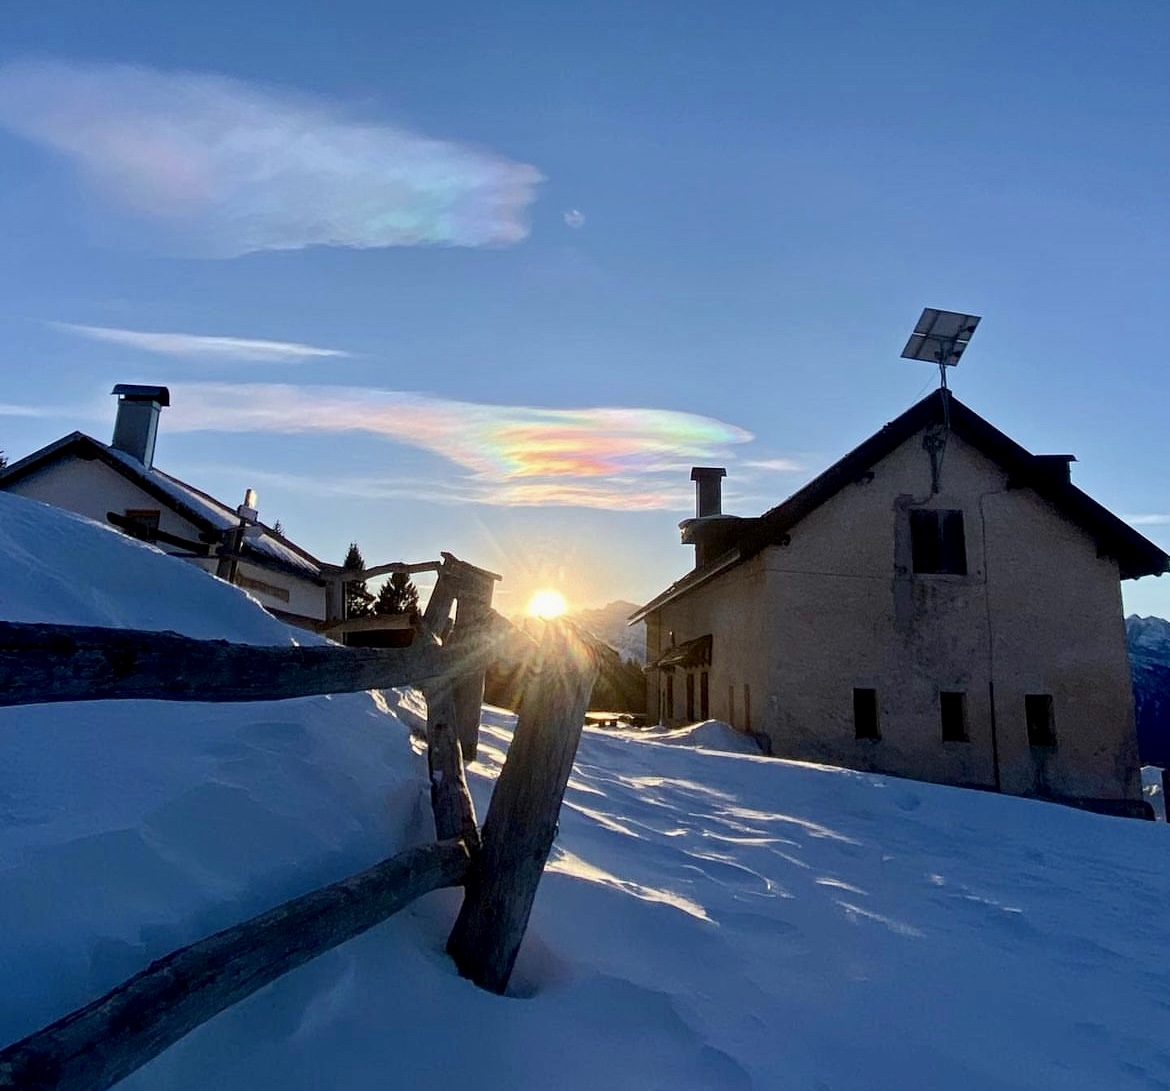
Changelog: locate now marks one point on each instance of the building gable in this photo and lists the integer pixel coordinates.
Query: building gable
(1045, 476)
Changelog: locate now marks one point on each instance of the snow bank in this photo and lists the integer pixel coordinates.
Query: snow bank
(709, 921)
(718, 922)
(131, 828)
(709, 735)
(66, 569)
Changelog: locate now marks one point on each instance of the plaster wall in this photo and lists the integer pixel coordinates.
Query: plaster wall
(737, 676)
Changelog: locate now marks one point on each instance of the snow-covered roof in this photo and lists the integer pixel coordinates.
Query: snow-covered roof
(193, 504)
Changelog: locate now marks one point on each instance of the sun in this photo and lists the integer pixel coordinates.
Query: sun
(547, 605)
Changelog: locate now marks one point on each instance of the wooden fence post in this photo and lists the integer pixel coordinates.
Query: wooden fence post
(450, 797)
(474, 604)
(522, 818)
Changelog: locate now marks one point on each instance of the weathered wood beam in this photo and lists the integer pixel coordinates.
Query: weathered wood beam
(522, 818)
(450, 798)
(98, 1045)
(395, 566)
(48, 663)
(373, 623)
(474, 606)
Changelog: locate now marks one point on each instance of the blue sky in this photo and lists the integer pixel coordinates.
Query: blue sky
(446, 222)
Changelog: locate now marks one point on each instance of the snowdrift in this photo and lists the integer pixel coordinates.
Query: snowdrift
(709, 922)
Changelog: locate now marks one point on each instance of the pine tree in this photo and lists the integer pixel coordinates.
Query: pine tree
(398, 595)
(357, 598)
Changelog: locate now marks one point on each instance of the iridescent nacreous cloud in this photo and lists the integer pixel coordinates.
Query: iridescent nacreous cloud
(511, 455)
(226, 168)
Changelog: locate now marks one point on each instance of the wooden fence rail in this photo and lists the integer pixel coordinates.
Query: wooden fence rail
(98, 1045)
(103, 1042)
(46, 663)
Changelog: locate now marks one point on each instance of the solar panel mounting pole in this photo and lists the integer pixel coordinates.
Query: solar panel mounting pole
(940, 337)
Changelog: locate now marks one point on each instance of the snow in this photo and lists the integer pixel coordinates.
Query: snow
(216, 512)
(708, 734)
(709, 921)
(66, 569)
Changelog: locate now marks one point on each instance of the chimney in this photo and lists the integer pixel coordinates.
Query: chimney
(1056, 467)
(711, 532)
(708, 490)
(136, 426)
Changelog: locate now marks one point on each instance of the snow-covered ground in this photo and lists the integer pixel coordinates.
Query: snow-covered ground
(709, 921)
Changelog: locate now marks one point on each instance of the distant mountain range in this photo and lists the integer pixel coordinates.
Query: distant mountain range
(609, 624)
(1149, 660)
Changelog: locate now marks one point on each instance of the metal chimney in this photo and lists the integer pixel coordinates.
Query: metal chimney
(708, 490)
(136, 426)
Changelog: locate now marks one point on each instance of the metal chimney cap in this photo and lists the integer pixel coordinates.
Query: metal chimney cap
(134, 393)
(702, 473)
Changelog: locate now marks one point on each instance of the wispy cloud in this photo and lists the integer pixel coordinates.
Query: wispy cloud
(228, 168)
(511, 455)
(36, 412)
(775, 465)
(1147, 520)
(192, 346)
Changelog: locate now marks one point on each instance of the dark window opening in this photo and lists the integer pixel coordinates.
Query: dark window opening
(704, 697)
(690, 698)
(937, 542)
(146, 518)
(865, 714)
(250, 584)
(953, 712)
(1038, 713)
(669, 698)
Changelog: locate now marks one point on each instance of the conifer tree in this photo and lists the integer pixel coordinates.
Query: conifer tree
(357, 598)
(398, 595)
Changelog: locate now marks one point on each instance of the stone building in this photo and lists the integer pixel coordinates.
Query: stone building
(939, 604)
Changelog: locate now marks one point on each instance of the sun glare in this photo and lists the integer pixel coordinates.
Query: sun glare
(547, 605)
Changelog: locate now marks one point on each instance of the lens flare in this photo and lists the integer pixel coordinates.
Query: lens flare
(547, 604)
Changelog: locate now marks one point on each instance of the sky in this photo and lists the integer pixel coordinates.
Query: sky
(491, 278)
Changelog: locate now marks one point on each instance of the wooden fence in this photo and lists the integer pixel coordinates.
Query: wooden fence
(96, 1046)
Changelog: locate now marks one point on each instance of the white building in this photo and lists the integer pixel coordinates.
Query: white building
(117, 483)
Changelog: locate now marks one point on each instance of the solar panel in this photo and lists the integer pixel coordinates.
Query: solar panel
(940, 337)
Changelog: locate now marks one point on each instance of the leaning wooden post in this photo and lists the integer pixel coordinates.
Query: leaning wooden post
(450, 798)
(473, 607)
(522, 819)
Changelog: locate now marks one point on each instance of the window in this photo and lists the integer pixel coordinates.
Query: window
(690, 698)
(264, 588)
(704, 697)
(952, 707)
(146, 518)
(865, 714)
(669, 712)
(1038, 713)
(937, 542)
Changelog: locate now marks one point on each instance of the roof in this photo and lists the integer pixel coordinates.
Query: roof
(1136, 555)
(269, 549)
(691, 653)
